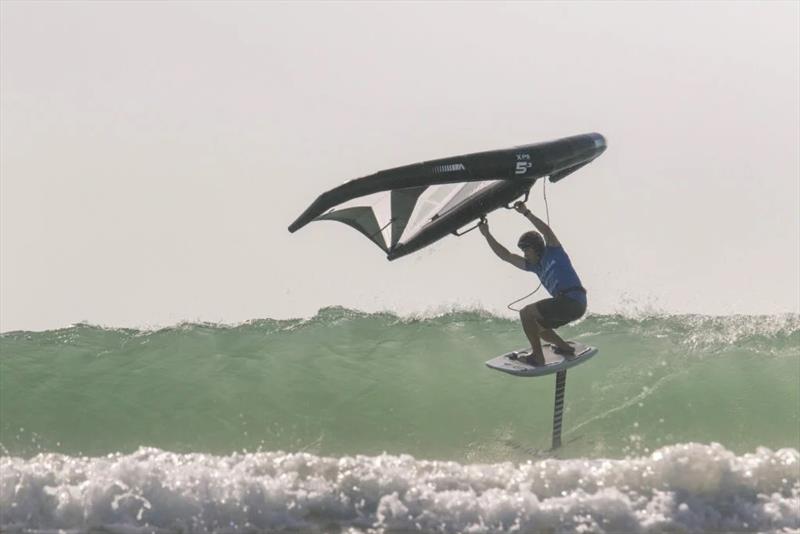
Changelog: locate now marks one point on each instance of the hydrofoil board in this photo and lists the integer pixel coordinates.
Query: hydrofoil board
(554, 362)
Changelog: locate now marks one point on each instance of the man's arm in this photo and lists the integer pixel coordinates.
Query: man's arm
(501, 251)
(550, 238)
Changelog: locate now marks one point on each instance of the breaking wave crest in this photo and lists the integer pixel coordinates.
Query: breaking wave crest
(683, 488)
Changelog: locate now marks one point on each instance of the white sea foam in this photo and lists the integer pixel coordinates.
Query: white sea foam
(683, 488)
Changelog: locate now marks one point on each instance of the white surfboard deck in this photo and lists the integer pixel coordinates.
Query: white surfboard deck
(553, 362)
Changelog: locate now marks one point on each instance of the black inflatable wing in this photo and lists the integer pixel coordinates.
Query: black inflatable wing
(407, 208)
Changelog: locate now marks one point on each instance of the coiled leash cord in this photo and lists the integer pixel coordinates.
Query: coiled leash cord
(547, 212)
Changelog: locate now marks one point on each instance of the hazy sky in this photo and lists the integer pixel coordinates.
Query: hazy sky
(153, 154)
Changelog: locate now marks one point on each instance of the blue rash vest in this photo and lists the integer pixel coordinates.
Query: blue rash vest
(555, 271)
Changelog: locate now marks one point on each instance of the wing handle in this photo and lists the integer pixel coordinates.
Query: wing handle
(510, 206)
(468, 230)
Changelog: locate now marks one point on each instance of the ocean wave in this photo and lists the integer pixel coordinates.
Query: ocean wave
(682, 488)
(347, 382)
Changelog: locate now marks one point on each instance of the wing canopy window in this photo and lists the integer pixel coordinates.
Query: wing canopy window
(391, 218)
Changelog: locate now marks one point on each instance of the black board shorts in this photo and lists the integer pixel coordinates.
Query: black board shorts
(558, 311)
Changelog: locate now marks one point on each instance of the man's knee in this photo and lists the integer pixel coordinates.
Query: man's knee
(529, 313)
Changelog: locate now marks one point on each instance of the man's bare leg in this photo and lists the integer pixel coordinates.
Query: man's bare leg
(550, 335)
(529, 315)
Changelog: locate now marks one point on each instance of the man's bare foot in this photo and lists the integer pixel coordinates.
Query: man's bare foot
(530, 359)
(567, 351)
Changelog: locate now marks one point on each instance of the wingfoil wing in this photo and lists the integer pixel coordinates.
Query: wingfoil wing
(404, 209)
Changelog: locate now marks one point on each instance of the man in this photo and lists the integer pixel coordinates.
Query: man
(546, 257)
